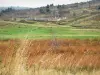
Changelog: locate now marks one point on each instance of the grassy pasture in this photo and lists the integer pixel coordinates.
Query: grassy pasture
(44, 30)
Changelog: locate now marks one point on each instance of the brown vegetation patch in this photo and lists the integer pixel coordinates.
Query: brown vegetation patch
(7, 50)
(55, 53)
(65, 53)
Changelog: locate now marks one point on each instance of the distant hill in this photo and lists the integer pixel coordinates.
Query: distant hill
(16, 8)
(51, 11)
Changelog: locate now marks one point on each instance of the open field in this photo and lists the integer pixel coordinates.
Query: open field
(50, 40)
(46, 48)
(67, 57)
(37, 30)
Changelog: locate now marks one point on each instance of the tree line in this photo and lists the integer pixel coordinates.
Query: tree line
(6, 10)
(48, 8)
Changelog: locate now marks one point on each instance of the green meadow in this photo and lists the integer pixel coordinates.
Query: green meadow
(13, 30)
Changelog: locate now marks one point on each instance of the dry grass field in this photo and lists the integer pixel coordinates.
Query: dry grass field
(50, 57)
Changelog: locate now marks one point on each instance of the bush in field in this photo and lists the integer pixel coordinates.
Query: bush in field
(22, 21)
(29, 22)
(61, 23)
(99, 7)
